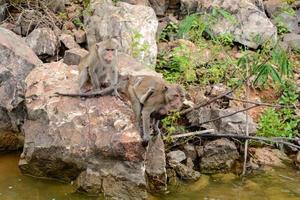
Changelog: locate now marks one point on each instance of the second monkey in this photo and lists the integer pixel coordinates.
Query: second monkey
(99, 66)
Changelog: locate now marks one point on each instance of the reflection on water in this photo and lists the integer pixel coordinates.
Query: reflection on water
(282, 184)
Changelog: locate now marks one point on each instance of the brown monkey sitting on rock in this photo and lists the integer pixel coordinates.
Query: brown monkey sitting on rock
(99, 66)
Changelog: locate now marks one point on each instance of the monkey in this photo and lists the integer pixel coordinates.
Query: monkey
(99, 66)
(151, 96)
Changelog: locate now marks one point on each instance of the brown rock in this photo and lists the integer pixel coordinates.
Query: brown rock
(43, 41)
(218, 156)
(17, 60)
(267, 157)
(73, 56)
(65, 137)
(80, 36)
(68, 41)
(156, 165)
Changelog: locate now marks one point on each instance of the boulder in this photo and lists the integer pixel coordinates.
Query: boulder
(292, 41)
(235, 124)
(176, 156)
(218, 156)
(184, 172)
(17, 60)
(73, 56)
(266, 156)
(68, 41)
(134, 26)
(289, 21)
(190, 151)
(159, 6)
(43, 41)
(92, 140)
(156, 165)
(272, 7)
(247, 24)
(80, 36)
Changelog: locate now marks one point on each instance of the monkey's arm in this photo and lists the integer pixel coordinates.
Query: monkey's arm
(145, 97)
(90, 94)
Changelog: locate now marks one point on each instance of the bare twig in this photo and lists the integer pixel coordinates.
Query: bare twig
(247, 126)
(261, 104)
(244, 137)
(192, 133)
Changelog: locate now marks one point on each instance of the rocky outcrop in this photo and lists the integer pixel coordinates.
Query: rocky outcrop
(43, 42)
(134, 26)
(218, 156)
(247, 24)
(92, 140)
(15, 64)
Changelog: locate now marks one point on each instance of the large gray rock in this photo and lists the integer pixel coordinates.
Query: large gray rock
(289, 21)
(43, 41)
(73, 56)
(134, 26)
(17, 60)
(248, 25)
(235, 124)
(218, 156)
(93, 140)
(176, 156)
(292, 41)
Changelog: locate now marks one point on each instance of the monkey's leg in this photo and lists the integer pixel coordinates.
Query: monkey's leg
(94, 79)
(83, 78)
(136, 107)
(146, 125)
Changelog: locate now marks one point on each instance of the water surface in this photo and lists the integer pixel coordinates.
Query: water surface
(279, 184)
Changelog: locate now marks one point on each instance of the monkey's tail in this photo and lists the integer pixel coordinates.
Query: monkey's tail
(89, 94)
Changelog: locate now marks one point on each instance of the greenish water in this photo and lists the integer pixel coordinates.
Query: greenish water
(279, 184)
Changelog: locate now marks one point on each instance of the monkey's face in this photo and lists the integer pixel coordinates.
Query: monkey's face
(109, 55)
(174, 100)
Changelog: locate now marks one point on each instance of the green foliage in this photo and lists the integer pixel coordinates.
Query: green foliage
(282, 122)
(138, 48)
(77, 22)
(278, 68)
(179, 66)
(196, 26)
(171, 125)
(169, 32)
(86, 3)
(63, 15)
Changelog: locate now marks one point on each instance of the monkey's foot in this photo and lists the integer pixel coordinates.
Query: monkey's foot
(146, 139)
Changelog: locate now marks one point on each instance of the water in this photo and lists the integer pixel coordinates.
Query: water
(279, 184)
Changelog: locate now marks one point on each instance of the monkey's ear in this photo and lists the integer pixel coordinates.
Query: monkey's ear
(167, 87)
(180, 90)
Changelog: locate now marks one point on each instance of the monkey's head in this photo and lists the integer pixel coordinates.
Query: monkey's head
(107, 50)
(174, 97)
